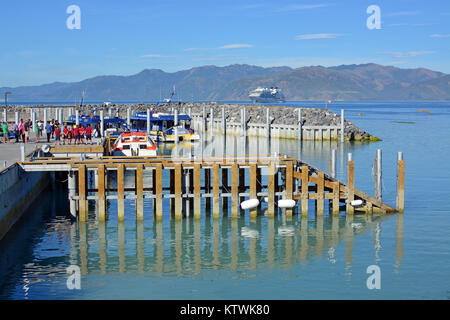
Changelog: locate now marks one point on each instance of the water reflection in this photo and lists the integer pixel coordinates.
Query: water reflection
(238, 244)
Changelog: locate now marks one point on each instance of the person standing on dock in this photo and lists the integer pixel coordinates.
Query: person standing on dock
(48, 130)
(88, 134)
(40, 128)
(53, 128)
(36, 132)
(81, 134)
(75, 134)
(16, 131)
(65, 134)
(5, 132)
(21, 130)
(26, 128)
(57, 135)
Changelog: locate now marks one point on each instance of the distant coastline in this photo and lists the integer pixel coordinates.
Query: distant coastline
(365, 82)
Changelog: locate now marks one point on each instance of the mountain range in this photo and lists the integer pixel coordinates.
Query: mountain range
(234, 82)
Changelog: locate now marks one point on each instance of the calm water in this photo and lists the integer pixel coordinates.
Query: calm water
(310, 258)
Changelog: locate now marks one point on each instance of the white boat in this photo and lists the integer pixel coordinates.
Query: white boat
(131, 144)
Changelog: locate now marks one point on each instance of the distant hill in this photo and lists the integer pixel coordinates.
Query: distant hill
(234, 82)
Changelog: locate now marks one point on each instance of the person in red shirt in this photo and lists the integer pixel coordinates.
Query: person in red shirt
(75, 135)
(88, 133)
(81, 134)
(57, 135)
(65, 134)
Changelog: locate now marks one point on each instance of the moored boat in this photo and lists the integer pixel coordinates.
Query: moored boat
(134, 143)
(163, 127)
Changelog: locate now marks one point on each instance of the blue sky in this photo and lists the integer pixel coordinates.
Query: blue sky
(125, 37)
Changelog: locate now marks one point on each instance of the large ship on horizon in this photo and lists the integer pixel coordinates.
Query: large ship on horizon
(266, 95)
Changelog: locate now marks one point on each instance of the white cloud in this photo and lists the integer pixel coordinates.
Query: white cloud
(297, 7)
(407, 54)
(235, 46)
(317, 36)
(439, 35)
(402, 13)
(225, 47)
(153, 56)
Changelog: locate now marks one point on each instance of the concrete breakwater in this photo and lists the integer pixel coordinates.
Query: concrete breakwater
(255, 120)
(18, 189)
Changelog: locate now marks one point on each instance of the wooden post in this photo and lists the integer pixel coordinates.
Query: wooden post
(379, 178)
(178, 191)
(350, 184)
(224, 122)
(234, 190)
(333, 164)
(207, 189)
(289, 182)
(120, 193)
(148, 120)
(300, 124)
(83, 204)
(197, 191)
(242, 186)
(271, 190)
(139, 192)
(225, 189)
(216, 191)
(304, 199)
(336, 198)
(101, 193)
(320, 195)
(400, 183)
(172, 189)
(253, 212)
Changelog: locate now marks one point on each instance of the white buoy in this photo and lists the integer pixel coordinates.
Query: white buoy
(249, 204)
(266, 199)
(286, 204)
(356, 203)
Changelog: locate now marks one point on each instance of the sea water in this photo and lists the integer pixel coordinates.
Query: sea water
(300, 258)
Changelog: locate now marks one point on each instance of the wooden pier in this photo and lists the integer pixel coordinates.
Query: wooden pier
(223, 182)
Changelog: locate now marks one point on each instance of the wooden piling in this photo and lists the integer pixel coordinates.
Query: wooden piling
(350, 184)
(271, 190)
(253, 212)
(234, 190)
(207, 189)
(177, 192)
(216, 191)
(120, 193)
(159, 192)
(225, 189)
(83, 204)
(320, 193)
(139, 192)
(197, 191)
(400, 183)
(335, 198)
(379, 178)
(304, 198)
(101, 193)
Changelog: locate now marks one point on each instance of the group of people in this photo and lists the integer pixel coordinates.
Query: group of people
(62, 134)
